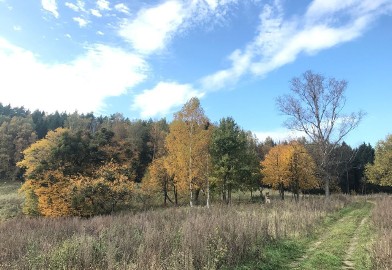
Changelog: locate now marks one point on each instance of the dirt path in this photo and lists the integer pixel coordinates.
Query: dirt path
(338, 244)
(348, 262)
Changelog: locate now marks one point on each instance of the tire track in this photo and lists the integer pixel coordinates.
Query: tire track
(349, 227)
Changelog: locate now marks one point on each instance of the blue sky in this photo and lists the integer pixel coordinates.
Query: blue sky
(145, 59)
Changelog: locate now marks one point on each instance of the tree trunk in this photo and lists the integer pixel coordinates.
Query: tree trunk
(327, 193)
(191, 194)
(261, 194)
(175, 195)
(348, 182)
(165, 194)
(281, 191)
(208, 193)
(224, 191)
(229, 194)
(197, 193)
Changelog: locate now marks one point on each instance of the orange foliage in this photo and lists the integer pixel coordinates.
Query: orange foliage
(289, 167)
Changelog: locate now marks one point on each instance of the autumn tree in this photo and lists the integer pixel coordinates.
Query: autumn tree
(380, 172)
(187, 148)
(157, 179)
(44, 195)
(289, 166)
(275, 168)
(315, 107)
(74, 173)
(302, 169)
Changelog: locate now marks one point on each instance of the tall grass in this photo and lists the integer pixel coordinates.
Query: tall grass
(10, 200)
(382, 219)
(176, 238)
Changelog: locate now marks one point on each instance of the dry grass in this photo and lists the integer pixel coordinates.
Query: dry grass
(382, 219)
(177, 238)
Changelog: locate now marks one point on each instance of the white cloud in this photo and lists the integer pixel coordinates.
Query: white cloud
(17, 28)
(280, 41)
(51, 6)
(79, 6)
(121, 7)
(100, 33)
(103, 4)
(161, 99)
(72, 6)
(281, 135)
(96, 12)
(240, 63)
(82, 22)
(153, 27)
(81, 84)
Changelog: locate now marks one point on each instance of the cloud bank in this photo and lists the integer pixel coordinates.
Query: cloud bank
(81, 84)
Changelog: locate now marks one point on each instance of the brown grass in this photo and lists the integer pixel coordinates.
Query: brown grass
(176, 238)
(382, 219)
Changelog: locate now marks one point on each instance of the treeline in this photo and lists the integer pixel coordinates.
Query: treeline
(80, 164)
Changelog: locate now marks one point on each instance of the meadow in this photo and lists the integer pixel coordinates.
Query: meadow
(280, 235)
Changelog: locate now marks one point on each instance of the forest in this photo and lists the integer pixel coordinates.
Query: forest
(83, 165)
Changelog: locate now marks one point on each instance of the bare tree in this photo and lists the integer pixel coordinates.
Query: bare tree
(315, 108)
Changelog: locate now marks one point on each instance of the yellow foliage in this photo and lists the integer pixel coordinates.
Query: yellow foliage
(38, 153)
(48, 196)
(102, 192)
(289, 166)
(56, 195)
(275, 166)
(155, 178)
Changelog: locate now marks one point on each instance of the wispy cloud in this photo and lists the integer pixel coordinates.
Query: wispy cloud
(121, 7)
(81, 84)
(161, 99)
(51, 6)
(281, 40)
(78, 7)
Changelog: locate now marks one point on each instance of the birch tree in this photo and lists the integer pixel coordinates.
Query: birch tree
(315, 107)
(187, 147)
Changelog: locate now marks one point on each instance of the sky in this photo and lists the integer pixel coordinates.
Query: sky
(145, 59)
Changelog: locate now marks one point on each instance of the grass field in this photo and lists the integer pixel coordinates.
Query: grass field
(343, 232)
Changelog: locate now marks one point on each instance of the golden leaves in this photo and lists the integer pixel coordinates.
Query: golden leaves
(289, 165)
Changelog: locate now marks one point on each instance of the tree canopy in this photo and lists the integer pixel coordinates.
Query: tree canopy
(289, 166)
(380, 172)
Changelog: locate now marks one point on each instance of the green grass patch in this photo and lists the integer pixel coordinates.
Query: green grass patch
(336, 236)
(362, 256)
(277, 255)
(334, 233)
